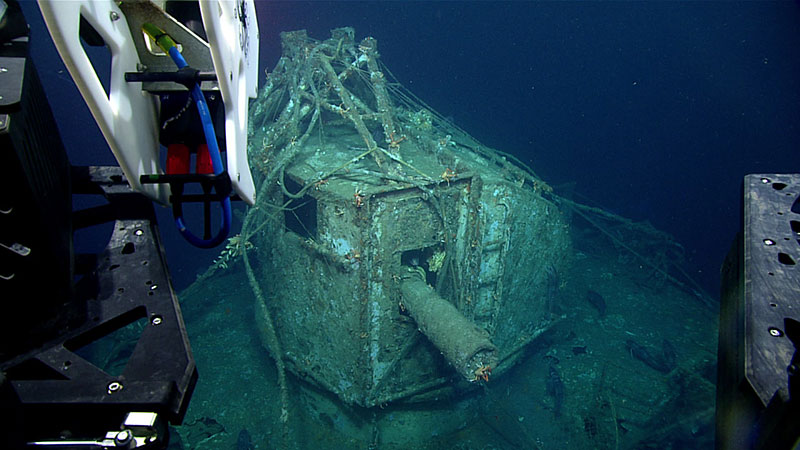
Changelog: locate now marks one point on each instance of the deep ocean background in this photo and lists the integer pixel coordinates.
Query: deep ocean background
(656, 110)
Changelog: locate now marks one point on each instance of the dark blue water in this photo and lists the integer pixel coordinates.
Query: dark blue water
(655, 109)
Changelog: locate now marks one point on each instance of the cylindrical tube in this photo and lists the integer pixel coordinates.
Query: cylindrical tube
(464, 345)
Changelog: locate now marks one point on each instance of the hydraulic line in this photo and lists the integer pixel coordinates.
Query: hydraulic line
(165, 42)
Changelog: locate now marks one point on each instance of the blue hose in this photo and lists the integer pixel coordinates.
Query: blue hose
(216, 162)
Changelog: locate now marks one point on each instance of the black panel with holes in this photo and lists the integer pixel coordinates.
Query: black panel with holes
(757, 398)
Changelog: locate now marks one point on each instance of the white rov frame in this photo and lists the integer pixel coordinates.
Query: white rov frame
(126, 115)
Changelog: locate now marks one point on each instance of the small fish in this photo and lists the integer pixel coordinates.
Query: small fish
(597, 301)
(555, 389)
(378, 136)
(670, 356)
(579, 350)
(553, 283)
(245, 441)
(648, 357)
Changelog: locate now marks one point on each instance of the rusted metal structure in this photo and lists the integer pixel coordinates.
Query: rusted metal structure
(396, 258)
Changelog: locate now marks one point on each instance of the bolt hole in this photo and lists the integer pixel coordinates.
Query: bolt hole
(778, 186)
(128, 248)
(784, 258)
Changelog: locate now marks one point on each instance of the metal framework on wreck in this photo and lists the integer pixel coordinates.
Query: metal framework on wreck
(349, 83)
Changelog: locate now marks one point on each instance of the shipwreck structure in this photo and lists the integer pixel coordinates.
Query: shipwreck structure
(398, 258)
(398, 265)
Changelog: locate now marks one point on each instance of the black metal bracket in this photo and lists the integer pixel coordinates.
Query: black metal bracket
(128, 282)
(186, 76)
(215, 188)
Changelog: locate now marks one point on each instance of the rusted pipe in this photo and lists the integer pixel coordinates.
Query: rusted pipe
(464, 345)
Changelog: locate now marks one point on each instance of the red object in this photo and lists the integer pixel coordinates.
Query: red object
(204, 164)
(178, 159)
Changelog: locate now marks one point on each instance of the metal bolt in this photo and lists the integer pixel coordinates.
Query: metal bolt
(3, 70)
(765, 180)
(123, 437)
(769, 242)
(114, 386)
(154, 287)
(114, 16)
(138, 232)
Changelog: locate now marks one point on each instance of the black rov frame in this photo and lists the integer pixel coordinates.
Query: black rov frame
(56, 303)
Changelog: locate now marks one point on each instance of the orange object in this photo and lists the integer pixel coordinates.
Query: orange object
(204, 165)
(178, 159)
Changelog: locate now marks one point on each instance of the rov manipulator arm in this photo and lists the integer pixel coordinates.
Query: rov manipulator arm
(219, 39)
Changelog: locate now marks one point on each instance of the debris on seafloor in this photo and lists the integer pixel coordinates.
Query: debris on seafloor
(597, 301)
(663, 362)
(201, 431)
(555, 390)
(554, 308)
(244, 441)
